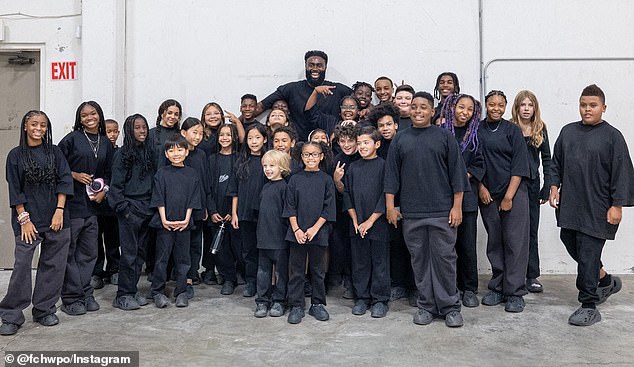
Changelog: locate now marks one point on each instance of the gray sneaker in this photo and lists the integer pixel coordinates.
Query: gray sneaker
(584, 317)
(126, 303)
(454, 319)
(261, 310)
(605, 292)
(469, 299)
(276, 310)
(296, 315)
(360, 307)
(141, 299)
(515, 304)
(423, 317)
(91, 304)
(182, 300)
(318, 312)
(379, 310)
(492, 298)
(161, 300)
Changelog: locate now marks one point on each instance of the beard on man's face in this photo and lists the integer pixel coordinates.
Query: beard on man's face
(318, 81)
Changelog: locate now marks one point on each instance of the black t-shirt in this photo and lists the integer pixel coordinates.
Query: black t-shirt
(221, 169)
(248, 190)
(592, 167)
(156, 138)
(505, 155)
(309, 196)
(296, 94)
(474, 161)
(81, 158)
(38, 198)
(197, 159)
(210, 145)
(129, 192)
(364, 193)
(272, 226)
(404, 123)
(425, 166)
(177, 189)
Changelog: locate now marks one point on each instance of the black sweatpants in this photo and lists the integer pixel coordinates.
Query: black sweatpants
(229, 255)
(82, 254)
(466, 249)
(297, 270)
(586, 251)
(370, 269)
(133, 234)
(431, 243)
(507, 243)
(208, 260)
(532, 271)
(195, 248)
(248, 235)
(48, 279)
(401, 273)
(267, 292)
(107, 246)
(339, 263)
(175, 243)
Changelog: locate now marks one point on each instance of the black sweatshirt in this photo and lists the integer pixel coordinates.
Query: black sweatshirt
(248, 190)
(177, 189)
(221, 169)
(474, 161)
(272, 226)
(128, 191)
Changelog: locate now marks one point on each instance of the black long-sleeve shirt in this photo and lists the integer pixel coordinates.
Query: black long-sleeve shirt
(38, 198)
(129, 192)
(593, 169)
(474, 161)
(534, 155)
(272, 226)
(425, 166)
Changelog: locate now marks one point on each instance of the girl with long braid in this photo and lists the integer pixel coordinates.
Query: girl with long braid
(39, 182)
(461, 116)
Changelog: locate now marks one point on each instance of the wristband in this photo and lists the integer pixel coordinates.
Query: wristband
(60, 208)
(296, 230)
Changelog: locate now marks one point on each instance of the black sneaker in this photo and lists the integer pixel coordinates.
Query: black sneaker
(379, 310)
(469, 299)
(454, 319)
(296, 315)
(514, 304)
(209, 278)
(412, 298)
(196, 280)
(492, 298)
(227, 288)
(91, 304)
(161, 300)
(308, 289)
(182, 300)
(189, 291)
(348, 293)
(8, 328)
(534, 286)
(249, 290)
(605, 292)
(276, 310)
(360, 307)
(397, 293)
(48, 320)
(96, 282)
(584, 317)
(318, 312)
(74, 309)
(261, 310)
(126, 303)
(140, 299)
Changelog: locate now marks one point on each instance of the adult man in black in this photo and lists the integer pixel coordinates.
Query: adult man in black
(296, 94)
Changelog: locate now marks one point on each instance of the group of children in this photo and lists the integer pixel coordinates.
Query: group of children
(383, 199)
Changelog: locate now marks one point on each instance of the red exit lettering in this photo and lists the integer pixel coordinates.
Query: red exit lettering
(64, 70)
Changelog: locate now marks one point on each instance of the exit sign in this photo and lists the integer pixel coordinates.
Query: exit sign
(64, 70)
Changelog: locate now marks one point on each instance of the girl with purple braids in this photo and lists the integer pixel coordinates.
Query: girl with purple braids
(461, 115)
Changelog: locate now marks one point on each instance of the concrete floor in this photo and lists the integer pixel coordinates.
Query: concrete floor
(221, 331)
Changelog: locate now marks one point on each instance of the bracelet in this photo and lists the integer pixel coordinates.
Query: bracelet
(60, 208)
(296, 230)
(25, 221)
(23, 215)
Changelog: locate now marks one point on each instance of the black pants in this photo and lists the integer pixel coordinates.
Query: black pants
(133, 233)
(107, 246)
(467, 267)
(339, 263)
(175, 243)
(401, 273)
(195, 248)
(370, 269)
(431, 242)
(82, 255)
(507, 243)
(248, 235)
(150, 252)
(48, 280)
(268, 292)
(208, 259)
(532, 271)
(586, 251)
(229, 256)
(297, 270)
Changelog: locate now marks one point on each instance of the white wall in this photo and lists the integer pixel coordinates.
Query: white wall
(136, 55)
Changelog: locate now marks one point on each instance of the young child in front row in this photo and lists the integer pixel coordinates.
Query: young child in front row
(369, 236)
(272, 228)
(424, 165)
(310, 204)
(176, 193)
(39, 181)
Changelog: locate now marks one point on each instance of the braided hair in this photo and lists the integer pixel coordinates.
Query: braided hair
(447, 115)
(456, 84)
(102, 121)
(33, 172)
(358, 85)
(135, 152)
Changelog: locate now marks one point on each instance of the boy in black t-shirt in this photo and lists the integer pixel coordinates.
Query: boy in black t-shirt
(592, 180)
(176, 193)
(370, 249)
